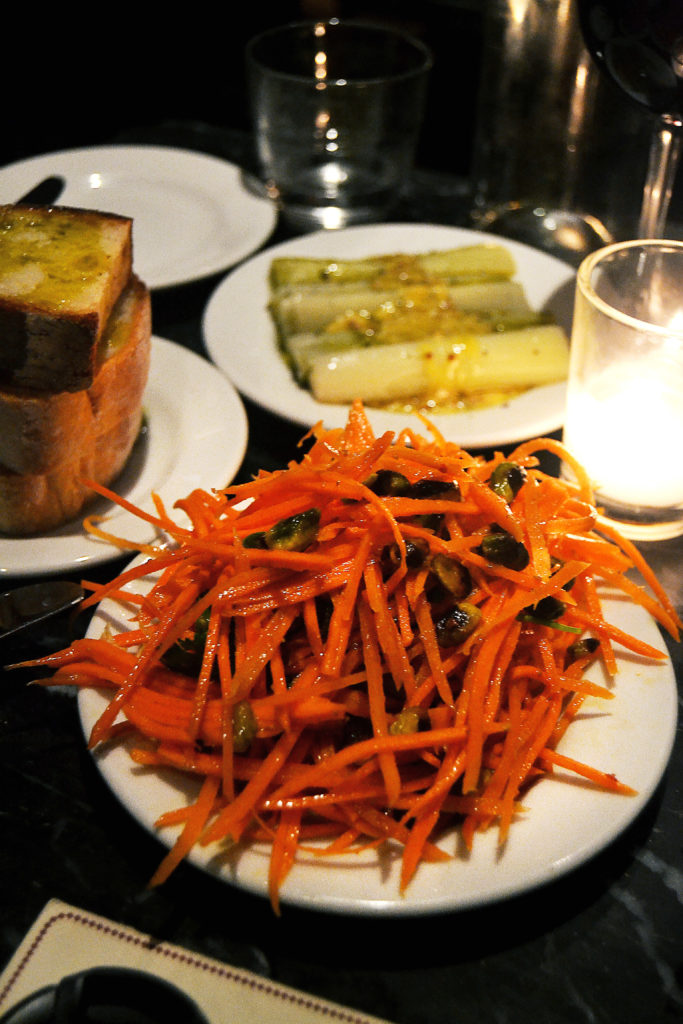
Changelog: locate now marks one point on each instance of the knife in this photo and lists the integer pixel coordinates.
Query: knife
(28, 605)
(45, 192)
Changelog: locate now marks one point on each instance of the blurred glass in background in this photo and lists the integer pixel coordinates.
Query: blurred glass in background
(559, 154)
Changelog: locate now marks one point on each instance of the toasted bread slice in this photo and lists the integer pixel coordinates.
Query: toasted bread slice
(92, 431)
(62, 271)
(117, 389)
(35, 503)
(39, 430)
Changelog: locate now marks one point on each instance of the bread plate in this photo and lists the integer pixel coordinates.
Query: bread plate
(195, 434)
(192, 214)
(566, 821)
(240, 336)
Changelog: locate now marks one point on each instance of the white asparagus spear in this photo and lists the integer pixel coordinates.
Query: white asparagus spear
(302, 349)
(468, 365)
(311, 308)
(484, 261)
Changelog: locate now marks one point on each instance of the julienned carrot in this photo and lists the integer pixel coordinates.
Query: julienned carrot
(602, 779)
(285, 844)
(377, 701)
(192, 829)
(637, 559)
(353, 651)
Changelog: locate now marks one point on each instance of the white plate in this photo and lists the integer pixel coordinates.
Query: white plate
(240, 337)
(192, 215)
(195, 436)
(567, 821)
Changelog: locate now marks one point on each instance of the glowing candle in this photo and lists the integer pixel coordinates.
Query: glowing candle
(624, 415)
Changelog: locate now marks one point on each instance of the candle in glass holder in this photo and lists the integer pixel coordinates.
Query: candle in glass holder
(624, 415)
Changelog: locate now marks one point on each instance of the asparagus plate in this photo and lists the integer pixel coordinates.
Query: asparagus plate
(242, 338)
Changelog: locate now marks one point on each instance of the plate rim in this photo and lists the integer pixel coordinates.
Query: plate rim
(88, 553)
(58, 161)
(252, 387)
(120, 774)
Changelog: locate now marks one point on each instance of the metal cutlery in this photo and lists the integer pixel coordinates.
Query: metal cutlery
(45, 192)
(26, 606)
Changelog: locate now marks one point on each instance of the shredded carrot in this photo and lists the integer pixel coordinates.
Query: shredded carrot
(336, 654)
(285, 844)
(193, 827)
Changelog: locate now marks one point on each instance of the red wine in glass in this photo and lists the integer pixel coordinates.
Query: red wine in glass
(639, 45)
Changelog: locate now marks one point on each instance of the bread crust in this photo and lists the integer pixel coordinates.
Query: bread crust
(37, 503)
(75, 437)
(39, 430)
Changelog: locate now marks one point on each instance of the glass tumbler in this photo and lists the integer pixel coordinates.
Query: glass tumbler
(624, 414)
(337, 109)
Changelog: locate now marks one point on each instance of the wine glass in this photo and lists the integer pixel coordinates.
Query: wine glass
(639, 45)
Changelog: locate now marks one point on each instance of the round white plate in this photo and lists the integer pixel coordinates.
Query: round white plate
(567, 820)
(240, 336)
(192, 215)
(195, 435)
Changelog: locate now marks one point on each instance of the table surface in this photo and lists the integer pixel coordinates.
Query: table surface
(601, 944)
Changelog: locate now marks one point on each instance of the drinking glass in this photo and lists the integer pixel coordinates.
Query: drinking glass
(638, 44)
(337, 109)
(624, 414)
(559, 153)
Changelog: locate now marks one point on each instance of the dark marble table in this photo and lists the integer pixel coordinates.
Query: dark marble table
(603, 944)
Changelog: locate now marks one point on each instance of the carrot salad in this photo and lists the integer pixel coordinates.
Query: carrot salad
(375, 644)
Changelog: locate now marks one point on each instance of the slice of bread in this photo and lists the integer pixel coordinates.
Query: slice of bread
(62, 271)
(37, 503)
(38, 431)
(50, 444)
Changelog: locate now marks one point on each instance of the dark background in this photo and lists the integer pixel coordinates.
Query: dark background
(78, 79)
(599, 945)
